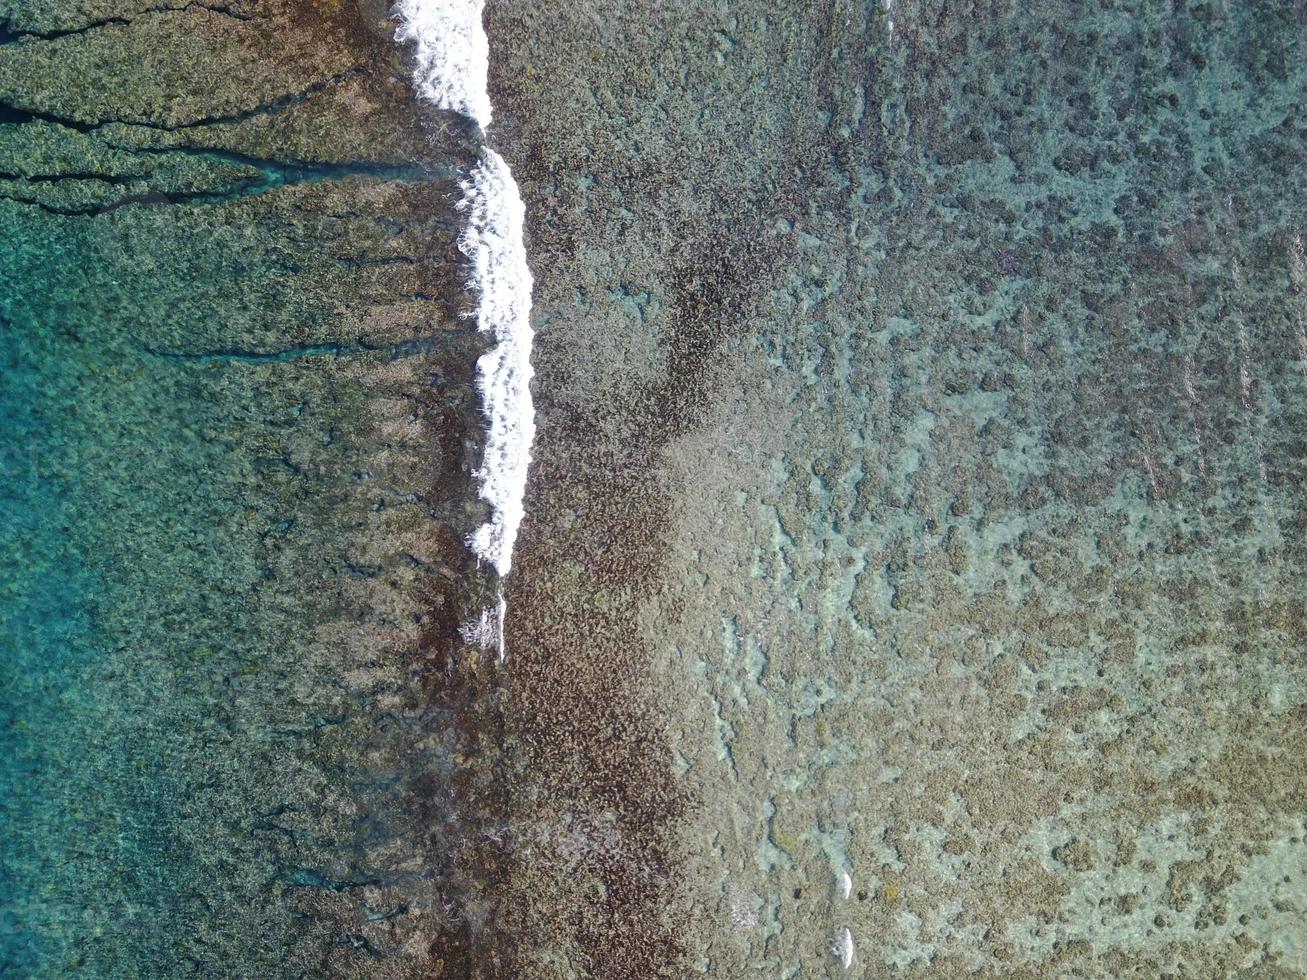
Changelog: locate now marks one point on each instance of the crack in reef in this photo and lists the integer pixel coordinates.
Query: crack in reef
(406, 348)
(272, 175)
(8, 35)
(18, 115)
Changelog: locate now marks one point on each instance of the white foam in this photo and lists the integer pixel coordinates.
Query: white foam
(502, 610)
(453, 54)
(493, 243)
(487, 630)
(453, 65)
(842, 948)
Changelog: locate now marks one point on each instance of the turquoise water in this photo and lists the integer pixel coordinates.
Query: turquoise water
(48, 613)
(912, 579)
(185, 483)
(237, 407)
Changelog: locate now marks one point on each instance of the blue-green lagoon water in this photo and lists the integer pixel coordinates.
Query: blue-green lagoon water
(183, 533)
(910, 581)
(235, 398)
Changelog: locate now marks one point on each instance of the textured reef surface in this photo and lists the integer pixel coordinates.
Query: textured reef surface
(919, 489)
(239, 416)
(912, 578)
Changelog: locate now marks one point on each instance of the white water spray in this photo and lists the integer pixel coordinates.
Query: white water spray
(452, 53)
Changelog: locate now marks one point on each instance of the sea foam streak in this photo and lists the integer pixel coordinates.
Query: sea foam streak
(493, 243)
(453, 56)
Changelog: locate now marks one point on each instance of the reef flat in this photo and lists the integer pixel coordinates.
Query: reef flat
(912, 576)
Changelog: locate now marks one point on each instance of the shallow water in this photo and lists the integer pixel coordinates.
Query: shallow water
(911, 575)
(235, 383)
(959, 368)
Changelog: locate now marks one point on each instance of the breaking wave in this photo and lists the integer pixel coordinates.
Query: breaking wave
(493, 243)
(452, 53)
